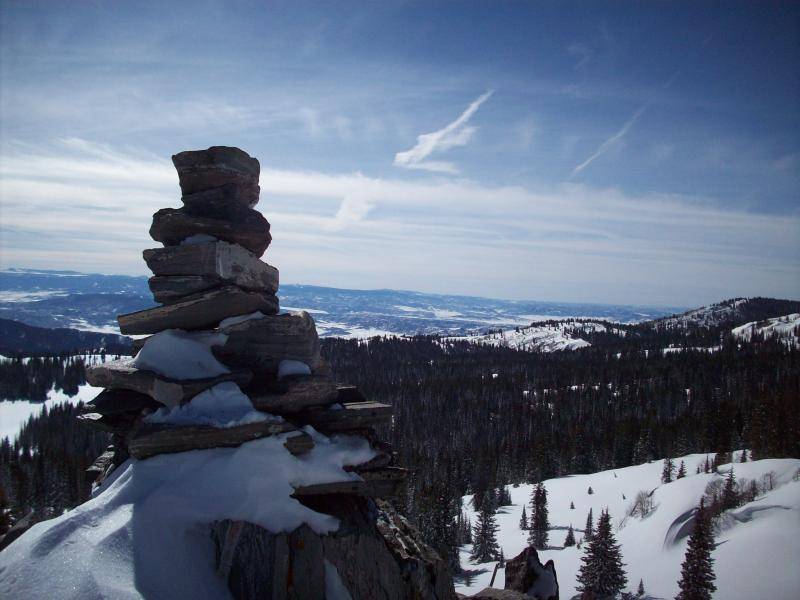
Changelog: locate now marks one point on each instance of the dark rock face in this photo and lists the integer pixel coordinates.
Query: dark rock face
(495, 594)
(294, 394)
(243, 226)
(203, 170)
(180, 269)
(526, 574)
(261, 344)
(375, 552)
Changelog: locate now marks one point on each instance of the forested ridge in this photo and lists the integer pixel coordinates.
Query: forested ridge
(472, 418)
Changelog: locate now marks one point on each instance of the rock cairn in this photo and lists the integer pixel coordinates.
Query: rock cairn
(208, 276)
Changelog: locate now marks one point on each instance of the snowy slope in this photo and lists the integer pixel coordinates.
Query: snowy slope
(145, 534)
(760, 538)
(543, 337)
(705, 316)
(786, 328)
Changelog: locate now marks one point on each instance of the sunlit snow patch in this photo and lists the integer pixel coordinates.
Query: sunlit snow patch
(179, 354)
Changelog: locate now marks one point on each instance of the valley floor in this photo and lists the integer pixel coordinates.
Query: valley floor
(758, 545)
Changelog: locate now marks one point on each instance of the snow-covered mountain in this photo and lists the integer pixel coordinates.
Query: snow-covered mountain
(91, 302)
(760, 539)
(549, 336)
(786, 328)
(734, 311)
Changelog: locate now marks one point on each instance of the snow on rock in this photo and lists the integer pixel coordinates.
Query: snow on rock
(786, 328)
(223, 405)
(759, 538)
(198, 238)
(231, 321)
(287, 368)
(145, 534)
(179, 354)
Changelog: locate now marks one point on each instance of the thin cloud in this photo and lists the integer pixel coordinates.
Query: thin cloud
(457, 133)
(606, 145)
(353, 230)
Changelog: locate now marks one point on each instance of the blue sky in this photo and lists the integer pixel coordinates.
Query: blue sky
(608, 152)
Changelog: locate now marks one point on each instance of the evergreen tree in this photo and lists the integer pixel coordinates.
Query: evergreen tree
(503, 496)
(590, 491)
(572, 506)
(539, 523)
(744, 456)
(463, 528)
(730, 496)
(640, 589)
(501, 559)
(484, 545)
(523, 520)
(589, 528)
(697, 572)
(669, 469)
(570, 539)
(681, 471)
(602, 574)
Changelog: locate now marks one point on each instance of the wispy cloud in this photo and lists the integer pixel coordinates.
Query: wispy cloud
(457, 133)
(609, 143)
(613, 246)
(582, 54)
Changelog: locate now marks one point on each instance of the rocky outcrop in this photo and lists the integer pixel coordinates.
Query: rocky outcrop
(261, 344)
(272, 384)
(375, 554)
(526, 574)
(197, 267)
(243, 226)
(220, 170)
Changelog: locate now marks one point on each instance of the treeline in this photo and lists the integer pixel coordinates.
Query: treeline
(32, 378)
(472, 418)
(20, 339)
(43, 470)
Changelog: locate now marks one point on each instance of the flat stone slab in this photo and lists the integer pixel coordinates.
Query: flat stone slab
(386, 483)
(260, 344)
(201, 311)
(151, 439)
(295, 394)
(188, 269)
(201, 170)
(121, 374)
(237, 225)
(354, 416)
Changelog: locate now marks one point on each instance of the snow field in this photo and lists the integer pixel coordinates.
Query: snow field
(758, 547)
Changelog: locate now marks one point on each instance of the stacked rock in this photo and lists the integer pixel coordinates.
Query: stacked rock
(219, 323)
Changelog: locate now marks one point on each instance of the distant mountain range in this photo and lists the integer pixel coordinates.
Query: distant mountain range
(58, 311)
(91, 302)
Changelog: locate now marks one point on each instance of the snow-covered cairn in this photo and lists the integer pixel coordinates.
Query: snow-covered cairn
(232, 444)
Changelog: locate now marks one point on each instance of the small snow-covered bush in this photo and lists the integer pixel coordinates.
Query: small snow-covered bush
(642, 505)
(768, 481)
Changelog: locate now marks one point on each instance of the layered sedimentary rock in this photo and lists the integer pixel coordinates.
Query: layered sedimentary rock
(223, 369)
